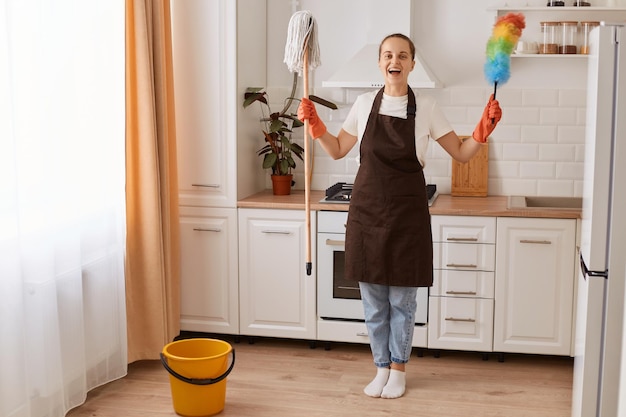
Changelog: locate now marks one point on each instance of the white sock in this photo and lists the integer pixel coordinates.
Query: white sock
(375, 388)
(395, 385)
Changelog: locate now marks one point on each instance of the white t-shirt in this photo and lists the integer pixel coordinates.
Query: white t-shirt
(430, 121)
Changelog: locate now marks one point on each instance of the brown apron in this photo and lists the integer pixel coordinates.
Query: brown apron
(388, 235)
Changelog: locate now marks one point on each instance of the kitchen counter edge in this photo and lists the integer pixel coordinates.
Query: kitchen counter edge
(445, 204)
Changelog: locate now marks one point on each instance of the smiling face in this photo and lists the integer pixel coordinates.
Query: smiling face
(396, 61)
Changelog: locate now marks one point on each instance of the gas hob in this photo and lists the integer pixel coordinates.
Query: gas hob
(341, 192)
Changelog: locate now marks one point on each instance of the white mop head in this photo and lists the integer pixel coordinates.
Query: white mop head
(302, 36)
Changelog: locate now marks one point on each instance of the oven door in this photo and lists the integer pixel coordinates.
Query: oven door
(336, 297)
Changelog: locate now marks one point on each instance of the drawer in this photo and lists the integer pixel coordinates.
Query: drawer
(464, 256)
(356, 332)
(454, 283)
(332, 221)
(460, 323)
(465, 229)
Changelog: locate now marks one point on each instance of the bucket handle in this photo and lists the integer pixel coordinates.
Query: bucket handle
(198, 381)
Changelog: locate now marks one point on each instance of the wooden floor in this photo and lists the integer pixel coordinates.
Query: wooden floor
(287, 378)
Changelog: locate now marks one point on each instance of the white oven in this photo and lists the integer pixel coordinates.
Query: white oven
(337, 298)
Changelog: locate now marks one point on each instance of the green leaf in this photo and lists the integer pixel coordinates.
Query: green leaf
(277, 125)
(265, 149)
(285, 141)
(269, 160)
(297, 149)
(294, 118)
(284, 167)
(254, 95)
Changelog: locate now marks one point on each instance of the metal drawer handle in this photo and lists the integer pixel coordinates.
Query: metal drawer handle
(363, 334)
(206, 185)
(463, 320)
(333, 242)
(276, 232)
(201, 229)
(463, 239)
(341, 287)
(461, 292)
(539, 242)
(461, 266)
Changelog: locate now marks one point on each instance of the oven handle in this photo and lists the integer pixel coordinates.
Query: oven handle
(333, 242)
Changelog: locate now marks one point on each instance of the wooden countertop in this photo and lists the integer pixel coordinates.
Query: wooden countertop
(494, 206)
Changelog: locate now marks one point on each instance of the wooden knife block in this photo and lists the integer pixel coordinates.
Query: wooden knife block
(471, 178)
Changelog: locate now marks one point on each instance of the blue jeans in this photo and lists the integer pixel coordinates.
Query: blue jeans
(390, 320)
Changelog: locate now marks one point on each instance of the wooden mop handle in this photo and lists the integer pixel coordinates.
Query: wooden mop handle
(307, 185)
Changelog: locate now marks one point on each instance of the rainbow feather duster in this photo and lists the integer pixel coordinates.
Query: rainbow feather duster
(506, 32)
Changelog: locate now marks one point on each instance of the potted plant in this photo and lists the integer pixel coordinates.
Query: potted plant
(279, 150)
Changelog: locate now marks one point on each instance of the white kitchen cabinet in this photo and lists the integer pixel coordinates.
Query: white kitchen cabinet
(209, 284)
(277, 297)
(535, 267)
(461, 301)
(207, 37)
(204, 45)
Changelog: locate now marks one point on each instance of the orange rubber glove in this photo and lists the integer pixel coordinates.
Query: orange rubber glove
(306, 111)
(490, 118)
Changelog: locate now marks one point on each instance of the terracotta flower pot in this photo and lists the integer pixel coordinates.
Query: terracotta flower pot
(281, 184)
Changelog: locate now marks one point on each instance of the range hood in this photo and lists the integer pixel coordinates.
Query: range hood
(362, 71)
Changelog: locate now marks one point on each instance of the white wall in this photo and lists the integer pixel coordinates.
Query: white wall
(538, 147)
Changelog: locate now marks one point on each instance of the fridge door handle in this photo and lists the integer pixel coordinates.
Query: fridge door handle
(587, 273)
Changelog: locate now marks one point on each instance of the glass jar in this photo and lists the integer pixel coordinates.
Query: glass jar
(550, 38)
(586, 28)
(569, 38)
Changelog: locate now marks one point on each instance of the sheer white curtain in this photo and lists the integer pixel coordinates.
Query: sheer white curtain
(62, 225)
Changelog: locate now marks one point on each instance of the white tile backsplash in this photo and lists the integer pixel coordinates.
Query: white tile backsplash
(540, 98)
(559, 116)
(557, 153)
(560, 188)
(537, 170)
(537, 148)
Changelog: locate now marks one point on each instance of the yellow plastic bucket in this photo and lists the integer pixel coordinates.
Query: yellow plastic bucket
(198, 369)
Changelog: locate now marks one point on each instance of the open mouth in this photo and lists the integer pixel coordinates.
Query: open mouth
(394, 71)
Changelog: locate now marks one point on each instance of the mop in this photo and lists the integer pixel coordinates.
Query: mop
(302, 52)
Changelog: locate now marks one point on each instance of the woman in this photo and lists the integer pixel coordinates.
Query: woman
(388, 235)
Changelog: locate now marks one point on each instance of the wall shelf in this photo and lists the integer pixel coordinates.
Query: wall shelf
(555, 9)
(536, 14)
(548, 56)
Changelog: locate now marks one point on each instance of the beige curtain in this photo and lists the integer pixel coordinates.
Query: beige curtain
(153, 247)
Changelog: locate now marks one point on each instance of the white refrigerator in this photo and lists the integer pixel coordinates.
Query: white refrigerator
(599, 387)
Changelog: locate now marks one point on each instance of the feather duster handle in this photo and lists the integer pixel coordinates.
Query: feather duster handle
(301, 37)
(506, 32)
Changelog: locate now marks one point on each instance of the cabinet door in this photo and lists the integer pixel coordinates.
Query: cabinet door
(463, 229)
(277, 297)
(209, 278)
(454, 283)
(464, 256)
(535, 262)
(460, 323)
(204, 36)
